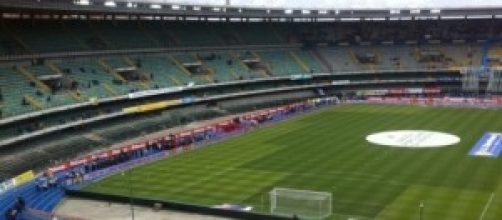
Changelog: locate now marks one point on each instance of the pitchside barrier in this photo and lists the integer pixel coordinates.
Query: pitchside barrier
(167, 205)
(494, 102)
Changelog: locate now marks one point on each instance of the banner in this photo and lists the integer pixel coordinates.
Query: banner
(24, 177)
(340, 82)
(490, 145)
(16, 181)
(124, 166)
(7, 185)
(300, 77)
(151, 106)
(415, 90)
(188, 100)
(154, 92)
(445, 101)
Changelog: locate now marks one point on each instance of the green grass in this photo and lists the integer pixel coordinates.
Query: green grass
(327, 151)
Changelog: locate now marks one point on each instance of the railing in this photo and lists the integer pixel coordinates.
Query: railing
(56, 55)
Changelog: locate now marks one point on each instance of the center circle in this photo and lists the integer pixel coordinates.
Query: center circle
(413, 139)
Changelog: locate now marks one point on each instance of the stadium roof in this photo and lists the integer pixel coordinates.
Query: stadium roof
(331, 4)
(259, 10)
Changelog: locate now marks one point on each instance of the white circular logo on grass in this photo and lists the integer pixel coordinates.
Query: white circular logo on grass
(413, 138)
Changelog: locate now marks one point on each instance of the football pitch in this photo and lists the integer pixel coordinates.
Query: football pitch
(326, 151)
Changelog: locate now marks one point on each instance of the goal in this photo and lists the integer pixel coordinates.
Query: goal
(304, 204)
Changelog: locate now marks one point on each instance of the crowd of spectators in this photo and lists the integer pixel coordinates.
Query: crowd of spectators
(47, 181)
(76, 174)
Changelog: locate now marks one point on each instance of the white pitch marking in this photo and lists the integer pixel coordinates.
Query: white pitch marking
(487, 206)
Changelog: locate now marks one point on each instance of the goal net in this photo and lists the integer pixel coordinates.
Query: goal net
(304, 204)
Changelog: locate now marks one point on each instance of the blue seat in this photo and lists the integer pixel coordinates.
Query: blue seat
(44, 201)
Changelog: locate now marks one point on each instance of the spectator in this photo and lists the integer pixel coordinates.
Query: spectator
(19, 205)
(11, 214)
(53, 181)
(42, 183)
(7, 214)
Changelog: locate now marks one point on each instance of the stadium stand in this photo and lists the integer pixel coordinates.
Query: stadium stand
(28, 35)
(184, 35)
(16, 93)
(280, 63)
(308, 61)
(64, 70)
(66, 81)
(121, 34)
(340, 60)
(253, 34)
(91, 80)
(83, 35)
(222, 66)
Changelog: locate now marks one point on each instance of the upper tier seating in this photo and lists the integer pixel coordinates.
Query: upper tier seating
(340, 59)
(38, 36)
(309, 60)
(280, 63)
(225, 67)
(92, 80)
(23, 91)
(14, 88)
(184, 35)
(258, 34)
(97, 77)
(165, 73)
(52, 97)
(120, 34)
(28, 34)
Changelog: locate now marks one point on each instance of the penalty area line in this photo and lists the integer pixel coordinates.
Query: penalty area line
(487, 206)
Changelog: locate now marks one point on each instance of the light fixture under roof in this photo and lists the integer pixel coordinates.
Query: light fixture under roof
(156, 6)
(82, 2)
(395, 11)
(111, 4)
(435, 11)
(132, 5)
(415, 11)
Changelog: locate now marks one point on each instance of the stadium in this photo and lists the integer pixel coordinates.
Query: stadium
(157, 109)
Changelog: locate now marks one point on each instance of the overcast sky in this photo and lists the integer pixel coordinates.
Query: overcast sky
(341, 4)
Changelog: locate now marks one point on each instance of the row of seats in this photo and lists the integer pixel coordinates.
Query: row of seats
(394, 57)
(280, 63)
(14, 88)
(24, 37)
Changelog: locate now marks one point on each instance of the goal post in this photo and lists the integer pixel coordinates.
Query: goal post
(304, 204)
